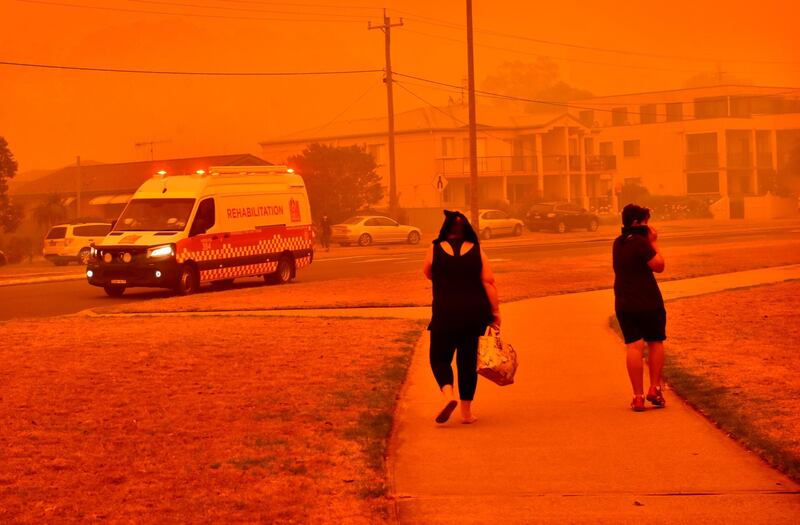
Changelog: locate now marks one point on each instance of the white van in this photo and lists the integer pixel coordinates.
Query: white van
(66, 243)
(180, 231)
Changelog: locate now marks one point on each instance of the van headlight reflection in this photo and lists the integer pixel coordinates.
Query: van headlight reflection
(156, 252)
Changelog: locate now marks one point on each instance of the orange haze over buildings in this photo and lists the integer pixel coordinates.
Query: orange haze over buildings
(50, 116)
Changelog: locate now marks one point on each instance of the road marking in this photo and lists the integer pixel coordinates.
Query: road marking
(328, 259)
(381, 260)
(499, 260)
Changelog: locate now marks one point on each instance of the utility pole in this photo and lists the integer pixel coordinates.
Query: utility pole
(78, 187)
(386, 27)
(473, 128)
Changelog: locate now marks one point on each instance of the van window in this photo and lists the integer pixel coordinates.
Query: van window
(59, 232)
(91, 230)
(204, 218)
(149, 215)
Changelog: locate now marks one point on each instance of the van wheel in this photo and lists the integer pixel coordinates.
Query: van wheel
(114, 290)
(188, 281)
(593, 225)
(365, 239)
(83, 256)
(561, 227)
(284, 273)
(413, 238)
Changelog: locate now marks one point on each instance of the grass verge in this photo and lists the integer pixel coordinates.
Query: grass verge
(245, 420)
(732, 356)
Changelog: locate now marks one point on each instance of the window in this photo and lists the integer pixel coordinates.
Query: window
(702, 183)
(674, 111)
(155, 215)
(378, 152)
(59, 232)
(91, 230)
(711, 107)
(204, 218)
(606, 148)
(631, 148)
(619, 116)
(587, 117)
(372, 222)
(448, 147)
(385, 221)
(648, 114)
(741, 107)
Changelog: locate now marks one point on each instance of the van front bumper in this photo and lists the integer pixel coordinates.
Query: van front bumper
(151, 274)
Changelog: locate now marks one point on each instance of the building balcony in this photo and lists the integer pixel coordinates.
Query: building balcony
(739, 160)
(525, 165)
(702, 161)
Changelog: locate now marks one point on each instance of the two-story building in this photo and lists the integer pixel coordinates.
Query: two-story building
(725, 142)
(521, 158)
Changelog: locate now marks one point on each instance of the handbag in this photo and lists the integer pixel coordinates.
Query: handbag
(497, 361)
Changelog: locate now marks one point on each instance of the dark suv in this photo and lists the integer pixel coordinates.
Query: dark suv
(560, 217)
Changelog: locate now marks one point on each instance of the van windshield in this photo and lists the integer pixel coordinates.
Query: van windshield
(155, 215)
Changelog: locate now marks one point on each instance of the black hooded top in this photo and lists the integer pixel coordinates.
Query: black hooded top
(460, 303)
(635, 286)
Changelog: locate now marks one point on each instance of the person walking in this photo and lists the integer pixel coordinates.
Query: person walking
(638, 302)
(465, 302)
(326, 231)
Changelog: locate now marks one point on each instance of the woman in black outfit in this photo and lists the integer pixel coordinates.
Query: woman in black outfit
(464, 304)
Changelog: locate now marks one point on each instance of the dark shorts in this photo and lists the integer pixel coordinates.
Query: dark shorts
(650, 326)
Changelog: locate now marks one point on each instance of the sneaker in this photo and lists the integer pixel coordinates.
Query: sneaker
(656, 398)
(638, 404)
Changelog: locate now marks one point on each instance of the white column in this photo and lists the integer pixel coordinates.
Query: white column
(722, 156)
(566, 151)
(539, 166)
(753, 161)
(582, 159)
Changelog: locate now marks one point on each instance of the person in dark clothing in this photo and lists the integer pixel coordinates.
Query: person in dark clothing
(638, 302)
(464, 304)
(325, 232)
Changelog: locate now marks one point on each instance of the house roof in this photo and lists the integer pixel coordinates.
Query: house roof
(126, 176)
(425, 119)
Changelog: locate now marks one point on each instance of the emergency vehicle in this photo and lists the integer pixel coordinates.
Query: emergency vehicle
(180, 231)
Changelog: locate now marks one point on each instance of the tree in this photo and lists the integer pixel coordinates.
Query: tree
(539, 81)
(10, 213)
(50, 211)
(340, 180)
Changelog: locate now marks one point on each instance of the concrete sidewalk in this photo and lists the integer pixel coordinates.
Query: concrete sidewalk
(561, 445)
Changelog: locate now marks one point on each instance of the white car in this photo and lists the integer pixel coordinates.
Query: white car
(494, 223)
(373, 229)
(66, 243)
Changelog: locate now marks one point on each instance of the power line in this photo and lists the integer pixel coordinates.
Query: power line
(451, 25)
(569, 59)
(243, 9)
(501, 96)
(194, 15)
(193, 73)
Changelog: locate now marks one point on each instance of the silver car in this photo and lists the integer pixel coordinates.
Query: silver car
(373, 229)
(494, 223)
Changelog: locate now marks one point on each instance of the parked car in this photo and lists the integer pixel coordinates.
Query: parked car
(373, 229)
(66, 243)
(561, 217)
(494, 223)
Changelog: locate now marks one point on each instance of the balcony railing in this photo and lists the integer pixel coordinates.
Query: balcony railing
(702, 161)
(739, 159)
(525, 165)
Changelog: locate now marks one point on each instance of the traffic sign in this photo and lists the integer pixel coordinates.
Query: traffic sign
(440, 182)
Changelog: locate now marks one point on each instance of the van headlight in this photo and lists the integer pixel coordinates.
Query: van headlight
(161, 252)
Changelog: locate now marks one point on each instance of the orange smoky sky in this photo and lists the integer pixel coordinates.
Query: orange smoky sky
(51, 116)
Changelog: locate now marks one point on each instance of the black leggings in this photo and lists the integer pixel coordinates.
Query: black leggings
(443, 346)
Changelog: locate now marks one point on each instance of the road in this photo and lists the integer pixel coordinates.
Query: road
(67, 297)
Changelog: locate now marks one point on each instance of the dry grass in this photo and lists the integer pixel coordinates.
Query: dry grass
(516, 280)
(746, 380)
(198, 420)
